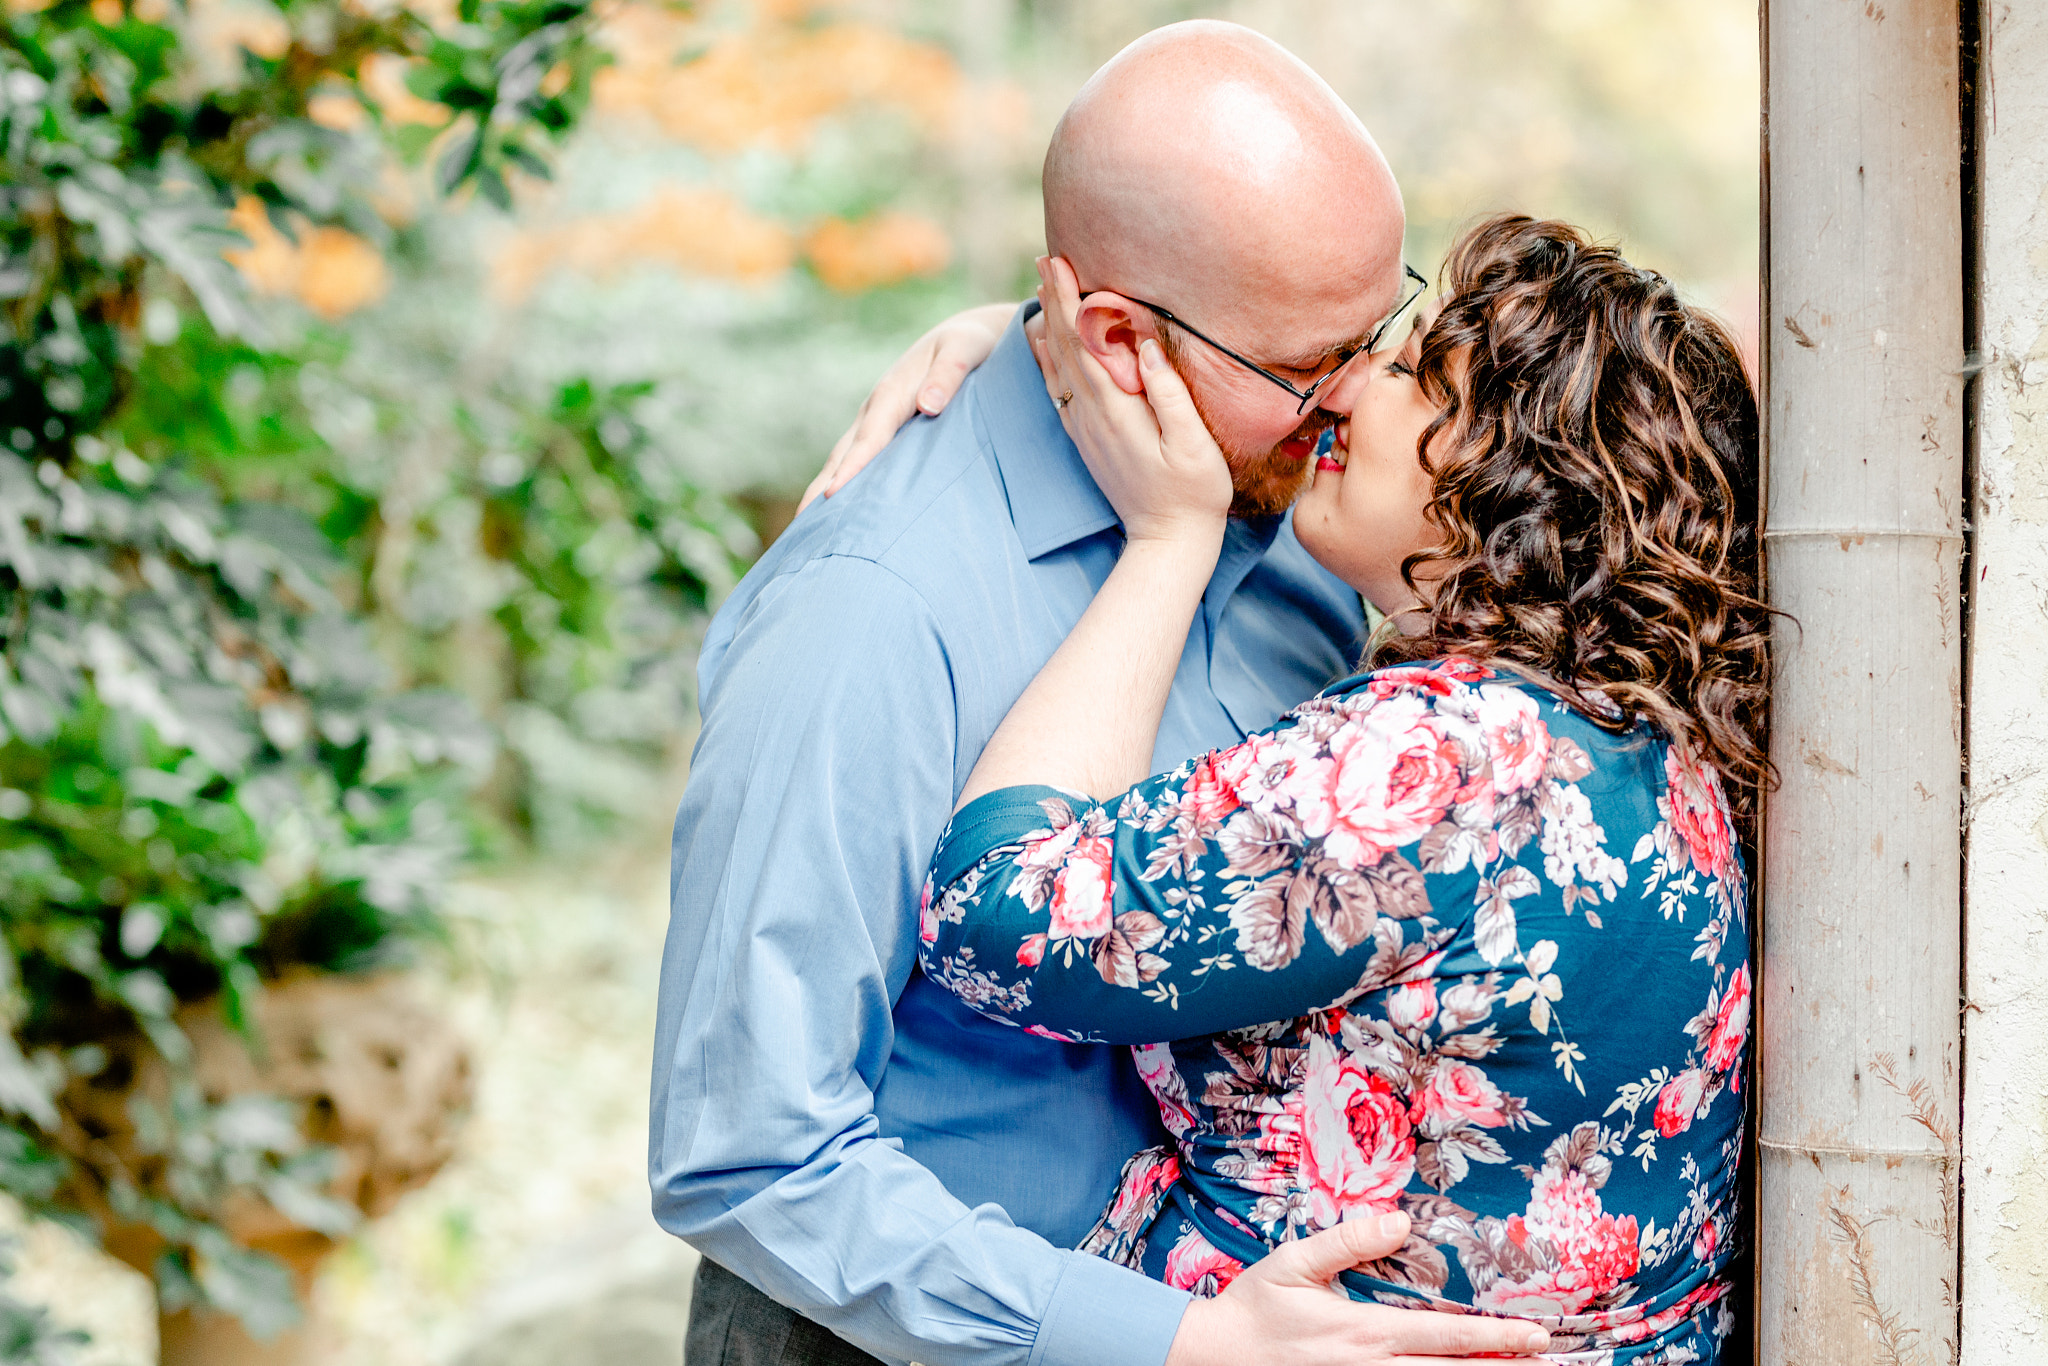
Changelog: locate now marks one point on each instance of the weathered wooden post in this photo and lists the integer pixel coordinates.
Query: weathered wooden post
(2005, 1130)
(1859, 1096)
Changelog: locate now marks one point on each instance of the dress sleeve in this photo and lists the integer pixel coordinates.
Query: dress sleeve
(1256, 883)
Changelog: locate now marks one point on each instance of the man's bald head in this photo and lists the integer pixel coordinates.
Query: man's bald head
(1208, 169)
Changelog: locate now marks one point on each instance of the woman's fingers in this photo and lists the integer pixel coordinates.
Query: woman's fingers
(1179, 421)
(1062, 295)
(924, 380)
(827, 480)
(894, 402)
(957, 354)
(1049, 370)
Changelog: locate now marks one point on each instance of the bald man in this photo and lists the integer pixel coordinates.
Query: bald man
(871, 1170)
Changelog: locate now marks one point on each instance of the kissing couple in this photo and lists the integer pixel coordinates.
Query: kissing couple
(1063, 969)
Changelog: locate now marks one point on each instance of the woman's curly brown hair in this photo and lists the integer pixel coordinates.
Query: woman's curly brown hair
(1596, 488)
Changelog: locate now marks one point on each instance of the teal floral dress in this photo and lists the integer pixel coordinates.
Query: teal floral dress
(1435, 942)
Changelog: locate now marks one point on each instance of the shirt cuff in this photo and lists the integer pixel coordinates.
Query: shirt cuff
(1102, 1314)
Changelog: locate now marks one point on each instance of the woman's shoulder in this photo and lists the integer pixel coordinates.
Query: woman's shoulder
(1457, 688)
(1460, 748)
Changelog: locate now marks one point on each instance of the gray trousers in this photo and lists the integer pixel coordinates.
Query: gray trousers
(733, 1324)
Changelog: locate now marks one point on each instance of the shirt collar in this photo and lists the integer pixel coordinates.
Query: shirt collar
(1053, 500)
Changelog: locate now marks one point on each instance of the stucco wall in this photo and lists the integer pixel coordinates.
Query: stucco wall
(2005, 1096)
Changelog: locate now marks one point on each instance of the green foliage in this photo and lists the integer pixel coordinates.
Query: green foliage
(120, 156)
(610, 559)
(206, 778)
(544, 554)
(494, 67)
(231, 741)
(27, 1336)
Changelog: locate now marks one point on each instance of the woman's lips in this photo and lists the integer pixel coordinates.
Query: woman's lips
(1326, 463)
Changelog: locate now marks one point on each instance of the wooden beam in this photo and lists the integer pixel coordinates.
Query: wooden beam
(1859, 1095)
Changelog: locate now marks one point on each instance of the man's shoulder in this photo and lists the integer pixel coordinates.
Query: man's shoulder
(915, 531)
(933, 496)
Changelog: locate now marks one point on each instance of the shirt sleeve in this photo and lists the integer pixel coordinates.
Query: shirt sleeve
(1257, 883)
(818, 787)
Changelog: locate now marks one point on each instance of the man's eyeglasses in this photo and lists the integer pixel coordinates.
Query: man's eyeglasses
(1308, 395)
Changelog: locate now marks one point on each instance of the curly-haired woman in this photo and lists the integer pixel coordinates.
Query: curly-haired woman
(1464, 937)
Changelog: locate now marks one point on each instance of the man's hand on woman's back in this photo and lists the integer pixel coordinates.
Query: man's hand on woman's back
(1283, 1311)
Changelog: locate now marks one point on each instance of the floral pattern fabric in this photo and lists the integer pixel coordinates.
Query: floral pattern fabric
(1436, 942)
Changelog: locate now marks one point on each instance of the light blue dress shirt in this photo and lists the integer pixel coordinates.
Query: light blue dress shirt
(825, 1122)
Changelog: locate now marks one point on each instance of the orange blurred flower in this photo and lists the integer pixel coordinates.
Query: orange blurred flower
(335, 110)
(694, 229)
(329, 270)
(770, 84)
(383, 80)
(339, 272)
(881, 250)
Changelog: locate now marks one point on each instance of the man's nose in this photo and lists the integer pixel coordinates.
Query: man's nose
(1341, 394)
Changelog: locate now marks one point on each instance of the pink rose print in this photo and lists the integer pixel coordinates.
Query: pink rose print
(1156, 1069)
(1138, 1194)
(1705, 1241)
(927, 916)
(1439, 679)
(1211, 792)
(1458, 1092)
(1247, 771)
(1357, 1148)
(1384, 785)
(1679, 1101)
(1699, 813)
(1195, 1266)
(1082, 891)
(1652, 1325)
(1731, 1025)
(1413, 1006)
(1589, 1252)
(1515, 736)
(1052, 850)
(1031, 952)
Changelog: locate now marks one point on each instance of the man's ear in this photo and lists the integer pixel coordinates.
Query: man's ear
(1111, 327)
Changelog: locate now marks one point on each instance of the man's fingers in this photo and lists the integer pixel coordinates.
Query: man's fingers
(1316, 1259)
(1434, 1338)
(1425, 1337)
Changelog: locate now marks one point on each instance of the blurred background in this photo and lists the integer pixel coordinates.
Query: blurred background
(390, 390)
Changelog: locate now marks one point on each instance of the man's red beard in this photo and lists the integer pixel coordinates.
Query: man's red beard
(1266, 482)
